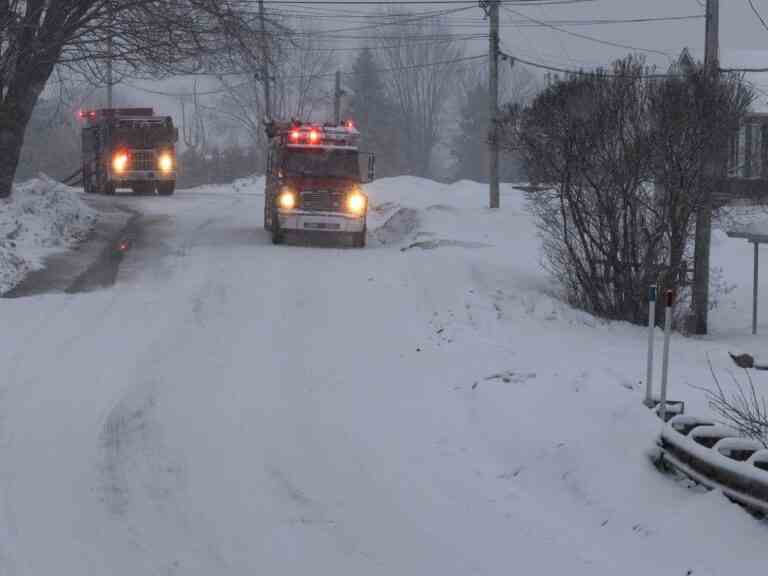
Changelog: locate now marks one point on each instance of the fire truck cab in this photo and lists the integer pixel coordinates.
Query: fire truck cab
(313, 182)
(128, 148)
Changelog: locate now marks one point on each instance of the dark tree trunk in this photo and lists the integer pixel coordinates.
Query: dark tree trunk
(15, 112)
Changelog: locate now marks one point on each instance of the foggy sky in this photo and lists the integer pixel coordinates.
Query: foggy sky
(743, 41)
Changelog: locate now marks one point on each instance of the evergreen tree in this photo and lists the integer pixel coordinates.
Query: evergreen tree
(469, 146)
(373, 114)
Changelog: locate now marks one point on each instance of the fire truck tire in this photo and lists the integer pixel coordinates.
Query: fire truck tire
(108, 189)
(86, 180)
(358, 239)
(277, 234)
(166, 188)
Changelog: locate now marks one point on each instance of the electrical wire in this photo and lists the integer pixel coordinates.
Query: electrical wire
(587, 37)
(515, 59)
(757, 13)
(305, 76)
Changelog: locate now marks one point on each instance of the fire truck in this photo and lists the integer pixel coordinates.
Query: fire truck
(313, 182)
(128, 148)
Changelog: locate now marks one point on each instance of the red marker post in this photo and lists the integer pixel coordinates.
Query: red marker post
(652, 290)
(669, 301)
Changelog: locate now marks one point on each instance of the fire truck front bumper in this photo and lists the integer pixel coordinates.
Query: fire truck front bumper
(299, 220)
(143, 176)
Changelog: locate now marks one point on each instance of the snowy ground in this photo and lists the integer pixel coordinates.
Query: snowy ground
(423, 406)
(42, 217)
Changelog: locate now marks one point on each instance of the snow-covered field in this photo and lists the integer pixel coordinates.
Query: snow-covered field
(42, 217)
(424, 406)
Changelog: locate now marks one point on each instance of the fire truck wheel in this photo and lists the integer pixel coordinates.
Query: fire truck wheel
(358, 239)
(109, 188)
(277, 235)
(87, 188)
(166, 188)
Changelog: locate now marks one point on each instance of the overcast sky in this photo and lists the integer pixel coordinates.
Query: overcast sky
(743, 40)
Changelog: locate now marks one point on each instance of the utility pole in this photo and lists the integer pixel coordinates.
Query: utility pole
(492, 9)
(337, 94)
(712, 171)
(265, 64)
(111, 20)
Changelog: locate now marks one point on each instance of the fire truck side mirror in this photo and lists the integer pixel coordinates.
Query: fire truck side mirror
(371, 166)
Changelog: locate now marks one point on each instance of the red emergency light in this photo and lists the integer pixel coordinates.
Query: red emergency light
(295, 135)
(313, 136)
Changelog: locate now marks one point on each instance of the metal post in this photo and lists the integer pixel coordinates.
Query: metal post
(265, 64)
(337, 99)
(669, 301)
(651, 331)
(711, 171)
(493, 101)
(754, 289)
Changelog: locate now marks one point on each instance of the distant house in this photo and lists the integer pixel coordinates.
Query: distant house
(748, 162)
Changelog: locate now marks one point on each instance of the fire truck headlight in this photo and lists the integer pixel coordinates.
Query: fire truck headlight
(356, 202)
(286, 200)
(165, 162)
(120, 162)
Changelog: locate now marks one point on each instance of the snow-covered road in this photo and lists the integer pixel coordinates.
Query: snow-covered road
(423, 406)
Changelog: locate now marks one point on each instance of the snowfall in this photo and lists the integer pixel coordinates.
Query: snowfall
(426, 405)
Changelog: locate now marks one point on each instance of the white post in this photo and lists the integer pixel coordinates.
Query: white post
(755, 283)
(669, 301)
(651, 331)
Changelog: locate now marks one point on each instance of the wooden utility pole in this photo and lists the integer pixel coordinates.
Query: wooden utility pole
(493, 101)
(337, 94)
(111, 20)
(711, 172)
(265, 64)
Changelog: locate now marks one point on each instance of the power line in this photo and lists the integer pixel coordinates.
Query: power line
(757, 13)
(744, 70)
(305, 76)
(585, 36)
(397, 22)
(515, 59)
(420, 42)
(443, 2)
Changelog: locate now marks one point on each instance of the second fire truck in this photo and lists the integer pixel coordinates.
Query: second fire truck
(128, 148)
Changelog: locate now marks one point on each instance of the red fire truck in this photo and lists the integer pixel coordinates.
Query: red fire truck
(313, 183)
(128, 148)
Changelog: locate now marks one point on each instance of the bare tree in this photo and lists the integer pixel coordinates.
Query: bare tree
(299, 75)
(622, 156)
(303, 77)
(193, 123)
(419, 80)
(694, 113)
(151, 37)
(746, 410)
(588, 139)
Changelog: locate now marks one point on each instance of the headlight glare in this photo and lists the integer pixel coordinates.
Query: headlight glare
(165, 162)
(356, 202)
(286, 200)
(120, 161)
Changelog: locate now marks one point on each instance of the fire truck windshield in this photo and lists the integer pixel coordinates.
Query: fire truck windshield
(142, 137)
(322, 162)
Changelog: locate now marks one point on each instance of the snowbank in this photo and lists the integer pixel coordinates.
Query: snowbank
(41, 217)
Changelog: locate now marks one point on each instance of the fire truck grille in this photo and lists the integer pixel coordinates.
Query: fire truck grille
(143, 160)
(322, 201)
